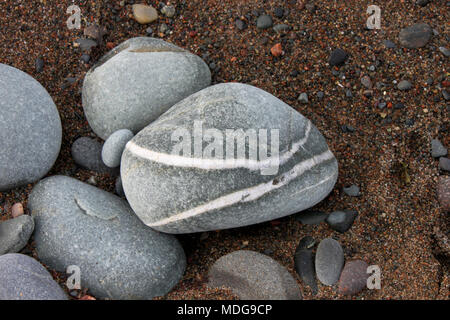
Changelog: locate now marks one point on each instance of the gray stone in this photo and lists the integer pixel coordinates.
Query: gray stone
(311, 217)
(114, 146)
(253, 276)
(168, 11)
(39, 65)
(86, 45)
(415, 36)
(389, 44)
(437, 149)
(422, 3)
(281, 27)
(264, 21)
(137, 81)
(404, 85)
(353, 277)
(176, 193)
(15, 233)
(304, 262)
(23, 278)
(445, 51)
(303, 97)
(119, 257)
(352, 191)
(329, 261)
(341, 221)
(30, 129)
(87, 153)
(338, 57)
(366, 82)
(444, 164)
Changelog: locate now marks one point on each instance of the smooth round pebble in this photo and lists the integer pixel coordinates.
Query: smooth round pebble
(264, 21)
(17, 210)
(353, 277)
(114, 146)
(329, 261)
(341, 221)
(87, 153)
(144, 14)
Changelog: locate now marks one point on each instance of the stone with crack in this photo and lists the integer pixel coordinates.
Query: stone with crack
(228, 156)
(137, 81)
(118, 256)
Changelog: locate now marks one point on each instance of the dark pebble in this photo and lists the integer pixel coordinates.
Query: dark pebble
(311, 217)
(304, 262)
(341, 221)
(338, 57)
(39, 64)
(353, 277)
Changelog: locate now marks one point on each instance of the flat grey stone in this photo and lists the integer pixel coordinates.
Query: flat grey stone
(23, 278)
(137, 81)
(304, 262)
(15, 233)
(281, 27)
(253, 276)
(329, 261)
(303, 97)
(389, 44)
(341, 221)
(444, 164)
(30, 129)
(311, 217)
(415, 36)
(437, 149)
(404, 85)
(114, 146)
(87, 153)
(353, 277)
(118, 256)
(191, 191)
(264, 21)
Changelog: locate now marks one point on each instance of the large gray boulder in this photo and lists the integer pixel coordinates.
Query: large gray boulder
(253, 276)
(176, 186)
(118, 256)
(30, 129)
(23, 278)
(137, 81)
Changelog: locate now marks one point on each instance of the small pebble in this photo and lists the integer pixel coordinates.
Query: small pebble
(338, 57)
(240, 24)
(353, 277)
(39, 65)
(304, 262)
(278, 12)
(320, 95)
(404, 85)
(366, 82)
(311, 217)
(389, 44)
(444, 164)
(303, 98)
(281, 27)
(113, 147)
(168, 11)
(264, 21)
(17, 210)
(329, 261)
(144, 14)
(341, 221)
(277, 50)
(85, 58)
(438, 149)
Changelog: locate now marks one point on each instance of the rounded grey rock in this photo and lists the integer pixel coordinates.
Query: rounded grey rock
(30, 129)
(114, 146)
(404, 85)
(176, 188)
(438, 149)
(137, 81)
(87, 153)
(118, 256)
(329, 261)
(415, 36)
(341, 221)
(253, 276)
(444, 164)
(23, 278)
(264, 21)
(352, 191)
(15, 233)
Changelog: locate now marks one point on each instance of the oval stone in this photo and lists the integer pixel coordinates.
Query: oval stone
(30, 129)
(137, 81)
(329, 261)
(253, 276)
(118, 256)
(187, 171)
